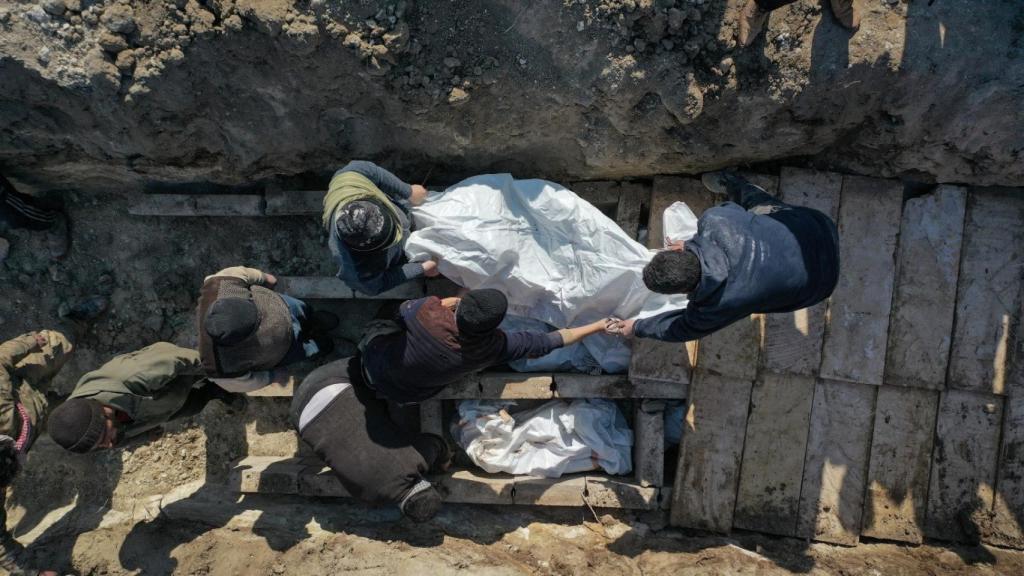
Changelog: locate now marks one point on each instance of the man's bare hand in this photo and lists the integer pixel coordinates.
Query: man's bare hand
(48, 573)
(430, 269)
(418, 196)
(677, 245)
(451, 302)
(618, 327)
(41, 339)
(270, 280)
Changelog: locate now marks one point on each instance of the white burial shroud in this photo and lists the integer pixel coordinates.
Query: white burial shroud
(556, 256)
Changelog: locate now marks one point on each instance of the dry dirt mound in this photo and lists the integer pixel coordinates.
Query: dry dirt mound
(115, 92)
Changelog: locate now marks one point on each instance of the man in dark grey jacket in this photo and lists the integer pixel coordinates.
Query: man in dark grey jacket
(753, 254)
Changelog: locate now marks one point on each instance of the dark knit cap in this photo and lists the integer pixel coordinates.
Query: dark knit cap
(231, 320)
(77, 424)
(480, 311)
(365, 225)
(9, 463)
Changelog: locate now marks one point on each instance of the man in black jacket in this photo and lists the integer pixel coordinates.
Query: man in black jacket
(754, 254)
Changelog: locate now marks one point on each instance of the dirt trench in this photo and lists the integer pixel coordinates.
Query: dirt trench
(101, 94)
(101, 101)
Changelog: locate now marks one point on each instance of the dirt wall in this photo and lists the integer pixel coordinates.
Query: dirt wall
(103, 93)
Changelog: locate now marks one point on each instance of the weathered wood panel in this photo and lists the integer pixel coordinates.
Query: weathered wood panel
(331, 288)
(734, 350)
(773, 454)
(901, 455)
(649, 442)
(198, 205)
(960, 497)
(632, 195)
(656, 362)
(989, 292)
(704, 495)
(1007, 526)
(855, 342)
(832, 490)
(925, 295)
(294, 202)
(793, 341)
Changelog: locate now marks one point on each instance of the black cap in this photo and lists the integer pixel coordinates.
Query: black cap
(77, 424)
(9, 463)
(231, 320)
(480, 311)
(365, 225)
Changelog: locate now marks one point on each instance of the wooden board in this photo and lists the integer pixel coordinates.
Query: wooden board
(613, 386)
(632, 196)
(925, 294)
(901, 454)
(792, 341)
(734, 350)
(600, 193)
(198, 205)
(855, 341)
(835, 468)
(960, 497)
(331, 288)
(294, 202)
(657, 362)
(649, 442)
(704, 495)
(768, 499)
(989, 292)
(1007, 526)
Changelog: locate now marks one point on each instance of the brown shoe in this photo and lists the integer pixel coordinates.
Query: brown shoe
(752, 21)
(847, 13)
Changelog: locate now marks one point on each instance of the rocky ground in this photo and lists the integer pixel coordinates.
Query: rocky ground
(178, 92)
(101, 101)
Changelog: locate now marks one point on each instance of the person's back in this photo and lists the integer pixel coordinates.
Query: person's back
(762, 256)
(435, 345)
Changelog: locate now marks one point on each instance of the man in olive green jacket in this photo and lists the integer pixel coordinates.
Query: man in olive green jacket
(132, 394)
(27, 365)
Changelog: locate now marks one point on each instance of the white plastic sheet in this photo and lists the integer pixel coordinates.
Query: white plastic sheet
(557, 258)
(679, 223)
(555, 438)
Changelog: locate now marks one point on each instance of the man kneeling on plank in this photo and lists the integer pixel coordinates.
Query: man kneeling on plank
(753, 254)
(437, 342)
(133, 394)
(351, 430)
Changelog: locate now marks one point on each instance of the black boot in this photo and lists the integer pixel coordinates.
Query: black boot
(323, 322)
(422, 503)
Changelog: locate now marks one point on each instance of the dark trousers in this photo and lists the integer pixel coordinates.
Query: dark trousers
(375, 459)
(754, 199)
(770, 5)
(199, 397)
(19, 210)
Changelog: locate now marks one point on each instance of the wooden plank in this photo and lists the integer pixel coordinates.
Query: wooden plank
(614, 492)
(600, 193)
(734, 350)
(855, 341)
(432, 417)
(1007, 526)
(901, 453)
(294, 202)
(198, 205)
(514, 386)
(657, 362)
(267, 474)
(314, 287)
(960, 497)
(631, 198)
(792, 341)
(614, 386)
(649, 442)
(925, 293)
(835, 468)
(768, 499)
(565, 491)
(331, 288)
(668, 189)
(470, 487)
(704, 494)
(321, 482)
(989, 292)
